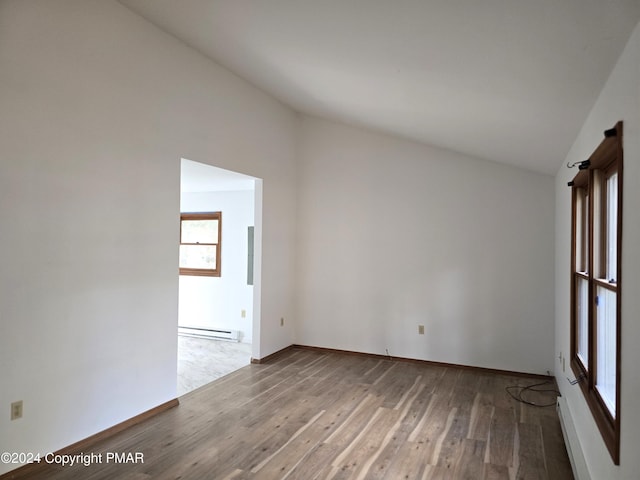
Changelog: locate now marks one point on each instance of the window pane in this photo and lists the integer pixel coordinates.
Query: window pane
(582, 323)
(606, 347)
(198, 256)
(585, 234)
(199, 231)
(580, 243)
(612, 227)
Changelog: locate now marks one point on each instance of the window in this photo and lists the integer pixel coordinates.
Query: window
(200, 243)
(595, 284)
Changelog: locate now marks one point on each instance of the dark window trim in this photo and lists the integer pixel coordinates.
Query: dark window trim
(607, 157)
(201, 272)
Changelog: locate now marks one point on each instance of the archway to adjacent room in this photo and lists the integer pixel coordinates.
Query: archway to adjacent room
(218, 292)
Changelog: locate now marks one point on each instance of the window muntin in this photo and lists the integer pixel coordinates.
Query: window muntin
(200, 243)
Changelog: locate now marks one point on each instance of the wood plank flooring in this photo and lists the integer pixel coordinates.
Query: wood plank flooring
(322, 415)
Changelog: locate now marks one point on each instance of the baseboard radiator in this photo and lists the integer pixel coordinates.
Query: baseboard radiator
(232, 335)
(572, 442)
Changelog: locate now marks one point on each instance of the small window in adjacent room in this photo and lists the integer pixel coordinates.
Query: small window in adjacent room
(595, 284)
(200, 243)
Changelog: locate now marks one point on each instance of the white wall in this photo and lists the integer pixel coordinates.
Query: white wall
(394, 234)
(619, 100)
(217, 302)
(97, 107)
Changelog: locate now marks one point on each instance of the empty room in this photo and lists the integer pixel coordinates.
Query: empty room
(444, 282)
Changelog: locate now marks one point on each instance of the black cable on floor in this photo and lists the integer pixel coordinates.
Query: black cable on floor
(522, 389)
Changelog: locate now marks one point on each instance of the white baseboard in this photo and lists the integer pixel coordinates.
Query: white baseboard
(571, 441)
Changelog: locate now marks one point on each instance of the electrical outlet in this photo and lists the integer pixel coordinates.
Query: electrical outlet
(420, 329)
(561, 360)
(243, 313)
(282, 321)
(16, 410)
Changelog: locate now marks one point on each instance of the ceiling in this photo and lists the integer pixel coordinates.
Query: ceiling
(505, 80)
(198, 177)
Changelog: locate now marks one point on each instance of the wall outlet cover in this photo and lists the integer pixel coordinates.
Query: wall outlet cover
(16, 410)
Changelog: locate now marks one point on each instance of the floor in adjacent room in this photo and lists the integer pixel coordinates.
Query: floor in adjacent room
(202, 360)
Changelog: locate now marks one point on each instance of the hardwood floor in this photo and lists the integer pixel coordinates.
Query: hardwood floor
(322, 415)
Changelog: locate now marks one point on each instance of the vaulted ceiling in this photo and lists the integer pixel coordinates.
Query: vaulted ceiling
(505, 80)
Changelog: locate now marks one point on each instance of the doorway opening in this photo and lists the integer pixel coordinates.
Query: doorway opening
(217, 314)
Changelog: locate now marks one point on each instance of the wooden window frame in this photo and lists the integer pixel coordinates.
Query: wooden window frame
(605, 160)
(202, 272)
